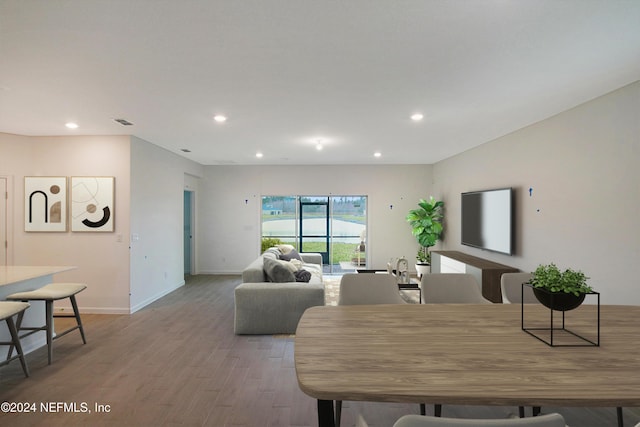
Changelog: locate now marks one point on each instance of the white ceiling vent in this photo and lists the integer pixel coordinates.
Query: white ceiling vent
(124, 122)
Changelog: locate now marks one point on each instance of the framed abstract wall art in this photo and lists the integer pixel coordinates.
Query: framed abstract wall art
(45, 203)
(92, 203)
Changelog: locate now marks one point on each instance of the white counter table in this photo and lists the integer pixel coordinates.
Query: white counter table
(20, 278)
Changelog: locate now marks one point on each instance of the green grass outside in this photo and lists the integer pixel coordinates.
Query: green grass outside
(341, 251)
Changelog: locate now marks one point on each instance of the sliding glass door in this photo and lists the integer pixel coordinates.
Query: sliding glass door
(314, 226)
(349, 231)
(334, 226)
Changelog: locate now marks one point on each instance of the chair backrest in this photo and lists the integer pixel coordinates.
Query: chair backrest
(548, 420)
(511, 286)
(451, 288)
(372, 288)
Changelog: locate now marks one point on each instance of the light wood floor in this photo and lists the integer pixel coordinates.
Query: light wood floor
(178, 363)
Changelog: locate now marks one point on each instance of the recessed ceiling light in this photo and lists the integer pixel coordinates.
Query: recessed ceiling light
(319, 147)
(258, 154)
(72, 125)
(417, 117)
(220, 118)
(377, 154)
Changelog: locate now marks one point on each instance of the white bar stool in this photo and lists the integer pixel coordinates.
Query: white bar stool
(8, 309)
(50, 293)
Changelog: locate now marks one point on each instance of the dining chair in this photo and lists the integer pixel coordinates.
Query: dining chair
(514, 293)
(548, 420)
(367, 289)
(512, 290)
(451, 288)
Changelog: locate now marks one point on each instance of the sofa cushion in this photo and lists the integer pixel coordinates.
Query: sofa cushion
(276, 272)
(292, 254)
(274, 308)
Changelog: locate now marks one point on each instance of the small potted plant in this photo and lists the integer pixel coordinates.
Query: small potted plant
(559, 290)
(426, 226)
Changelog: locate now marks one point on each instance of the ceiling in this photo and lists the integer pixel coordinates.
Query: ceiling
(290, 73)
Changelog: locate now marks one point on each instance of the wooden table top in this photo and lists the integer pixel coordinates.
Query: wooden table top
(466, 354)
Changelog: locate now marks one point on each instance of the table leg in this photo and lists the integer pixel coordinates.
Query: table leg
(620, 417)
(326, 416)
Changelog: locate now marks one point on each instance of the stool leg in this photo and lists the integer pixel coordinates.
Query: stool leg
(16, 341)
(17, 326)
(49, 327)
(74, 304)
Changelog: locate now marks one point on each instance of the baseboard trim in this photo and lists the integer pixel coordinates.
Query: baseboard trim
(151, 299)
(119, 310)
(93, 310)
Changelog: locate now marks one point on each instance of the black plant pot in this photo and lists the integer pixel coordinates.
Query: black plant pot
(559, 301)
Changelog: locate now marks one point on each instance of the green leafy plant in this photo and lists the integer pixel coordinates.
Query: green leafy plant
(550, 277)
(269, 242)
(426, 225)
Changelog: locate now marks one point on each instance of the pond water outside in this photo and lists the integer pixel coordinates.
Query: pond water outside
(343, 231)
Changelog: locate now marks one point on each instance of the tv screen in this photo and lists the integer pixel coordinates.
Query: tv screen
(487, 220)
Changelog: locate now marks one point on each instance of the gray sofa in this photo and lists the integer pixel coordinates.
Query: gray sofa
(263, 307)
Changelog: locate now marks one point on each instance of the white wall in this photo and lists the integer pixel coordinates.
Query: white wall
(102, 260)
(229, 207)
(149, 183)
(157, 190)
(583, 168)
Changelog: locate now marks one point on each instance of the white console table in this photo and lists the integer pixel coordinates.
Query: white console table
(486, 272)
(19, 278)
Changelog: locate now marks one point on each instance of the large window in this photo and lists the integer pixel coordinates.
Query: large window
(334, 226)
(279, 214)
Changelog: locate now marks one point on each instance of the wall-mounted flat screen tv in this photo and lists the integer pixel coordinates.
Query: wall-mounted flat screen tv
(487, 220)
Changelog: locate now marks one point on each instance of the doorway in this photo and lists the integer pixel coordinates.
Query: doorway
(188, 232)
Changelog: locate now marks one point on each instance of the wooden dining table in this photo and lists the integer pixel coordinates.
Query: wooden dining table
(465, 354)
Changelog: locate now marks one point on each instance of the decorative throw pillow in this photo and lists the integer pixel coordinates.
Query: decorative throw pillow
(302, 276)
(291, 255)
(276, 272)
(288, 265)
(285, 249)
(274, 251)
(297, 263)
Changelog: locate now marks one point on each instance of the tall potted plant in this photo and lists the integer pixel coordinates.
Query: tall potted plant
(426, 226)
